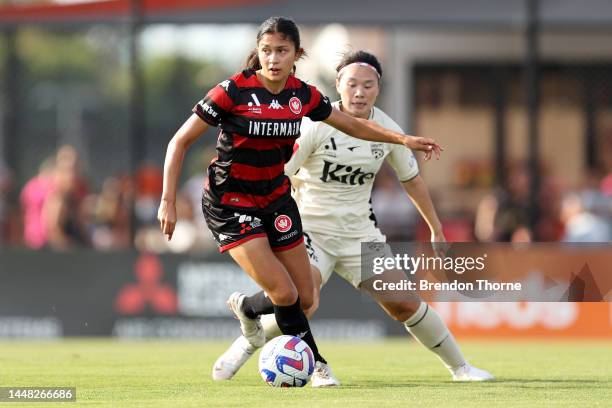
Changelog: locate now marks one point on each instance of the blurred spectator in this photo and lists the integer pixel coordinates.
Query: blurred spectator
(62, 215)
(522, 235)
(33, 197)
(108, 216)
(149, 184)
(67, 158)
(51, 203)
(549, 227)
(606, 186)
(500, 214)
(585, 218)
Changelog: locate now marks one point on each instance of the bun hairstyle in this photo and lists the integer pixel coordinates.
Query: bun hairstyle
(360, 57)
(273, 25)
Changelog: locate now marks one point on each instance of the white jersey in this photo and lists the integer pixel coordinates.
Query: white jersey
(333, 173)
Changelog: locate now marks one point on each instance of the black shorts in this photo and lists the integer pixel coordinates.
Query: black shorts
(232, 227)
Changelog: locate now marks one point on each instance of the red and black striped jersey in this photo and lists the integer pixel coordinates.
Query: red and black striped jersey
(258, 130)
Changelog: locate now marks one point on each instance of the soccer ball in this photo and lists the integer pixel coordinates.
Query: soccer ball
(286, 361)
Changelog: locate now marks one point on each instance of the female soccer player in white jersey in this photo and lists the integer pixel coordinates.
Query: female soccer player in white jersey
(332, 179)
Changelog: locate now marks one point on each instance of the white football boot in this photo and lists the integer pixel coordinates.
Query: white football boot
(251, 328)
(468, 373)
(323, 376)
(228, 363)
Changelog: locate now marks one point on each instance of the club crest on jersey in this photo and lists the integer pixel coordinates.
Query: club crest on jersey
(295, 105)
(283, 223)
(377, 150)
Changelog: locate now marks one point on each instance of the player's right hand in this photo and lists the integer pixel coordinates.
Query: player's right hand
(424, 144)
(166, 215)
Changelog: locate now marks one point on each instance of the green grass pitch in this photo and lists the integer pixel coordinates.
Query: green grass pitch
(374, 374)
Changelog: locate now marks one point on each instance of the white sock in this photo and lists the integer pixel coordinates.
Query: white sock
(270, 326)
(428, 328)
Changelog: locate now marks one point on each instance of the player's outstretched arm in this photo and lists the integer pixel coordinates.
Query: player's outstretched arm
(369, 130)
(183, 138)
(419, 194)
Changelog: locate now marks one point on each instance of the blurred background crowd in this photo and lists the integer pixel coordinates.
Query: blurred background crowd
(87, 110)
(60, 209)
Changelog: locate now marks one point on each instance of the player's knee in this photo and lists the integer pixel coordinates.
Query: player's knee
(306, 301)
(283, 296)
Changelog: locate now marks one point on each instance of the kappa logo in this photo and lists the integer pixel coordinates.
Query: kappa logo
(275, 105)
(225, 84)
(295, 105)
(223, 237)
(283, 223)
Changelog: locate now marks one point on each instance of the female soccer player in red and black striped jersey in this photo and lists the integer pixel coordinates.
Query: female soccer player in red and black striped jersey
(247, 202)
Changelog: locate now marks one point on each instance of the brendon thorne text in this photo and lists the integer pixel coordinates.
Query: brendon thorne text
(425, 285)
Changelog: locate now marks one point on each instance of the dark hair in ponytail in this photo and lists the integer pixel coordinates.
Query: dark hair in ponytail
(360, 56)
(252, 60)
(281, 25)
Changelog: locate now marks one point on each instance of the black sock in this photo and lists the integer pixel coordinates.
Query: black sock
(292, 320)
(257, 305)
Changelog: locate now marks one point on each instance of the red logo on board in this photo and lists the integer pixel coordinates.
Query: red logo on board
(149, 289)
(295, 105)
(283, 223)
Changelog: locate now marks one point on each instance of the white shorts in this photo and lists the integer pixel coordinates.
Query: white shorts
(343, 255)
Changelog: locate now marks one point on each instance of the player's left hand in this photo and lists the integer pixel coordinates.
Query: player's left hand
(424, 144)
